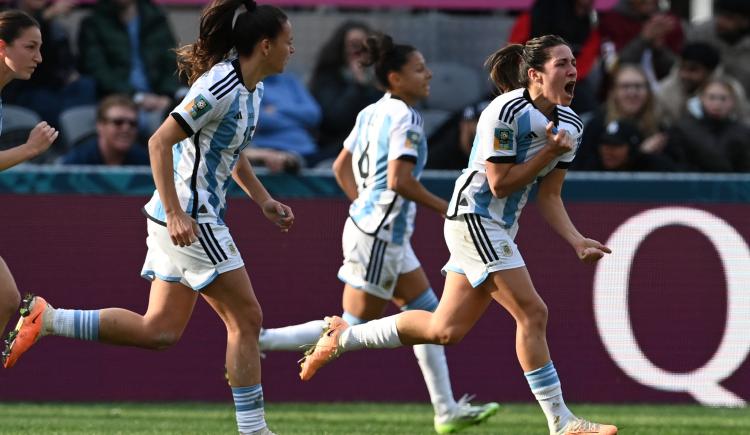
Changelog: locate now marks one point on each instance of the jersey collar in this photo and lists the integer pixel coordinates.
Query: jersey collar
(555, 120)
(238, 71)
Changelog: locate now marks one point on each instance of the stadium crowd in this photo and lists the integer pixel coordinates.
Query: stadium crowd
(657, 92)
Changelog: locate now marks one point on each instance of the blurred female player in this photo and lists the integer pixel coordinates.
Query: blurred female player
(524, 135)
(378, 169)
(20, 41)
(191, 252)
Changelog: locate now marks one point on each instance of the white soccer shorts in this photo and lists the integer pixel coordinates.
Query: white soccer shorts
(478, 247)
(195, 266)
(373, 265)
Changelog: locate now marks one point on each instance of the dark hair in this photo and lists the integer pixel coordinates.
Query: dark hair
(220, 32)
(13, 22)
(114, 100)
(509, 66)
(701, 53)
(331, 56)
(379, 50)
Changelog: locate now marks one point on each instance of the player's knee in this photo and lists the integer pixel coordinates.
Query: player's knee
(247, 322)
(535, 317)
(163, 339)
(448, 334)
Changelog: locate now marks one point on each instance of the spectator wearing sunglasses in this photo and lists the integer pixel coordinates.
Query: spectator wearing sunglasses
(116, 133)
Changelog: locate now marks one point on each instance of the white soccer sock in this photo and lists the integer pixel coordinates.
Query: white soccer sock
(58, 322)
(434, 366)
(293, 337)
(545, 385)
(376, 334)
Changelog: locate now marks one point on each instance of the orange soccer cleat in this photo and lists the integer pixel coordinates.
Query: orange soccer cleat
(27, 330)
(579, 426)
(326, 349)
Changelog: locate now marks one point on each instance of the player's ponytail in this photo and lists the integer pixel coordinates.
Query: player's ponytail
(13, 22)
(509, 66)
(379, 50)
(226, 25)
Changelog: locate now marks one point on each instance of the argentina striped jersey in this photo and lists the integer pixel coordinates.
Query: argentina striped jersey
(510, 130)
(386, 130)
(219, 116)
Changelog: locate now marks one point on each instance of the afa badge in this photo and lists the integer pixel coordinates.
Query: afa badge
(198, 107)
(505, 249)
(503, 139)
(412, 139)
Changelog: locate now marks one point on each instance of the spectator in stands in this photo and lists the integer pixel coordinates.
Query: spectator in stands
(342, 85)
(630, 98)
(698, 61)
(617, 149)
(116, 135)
(574, 21)
(711, 138)
(729, 32)
(450, 145)
(642, 33)
(55, 85)
(127, 46)
(289, 118)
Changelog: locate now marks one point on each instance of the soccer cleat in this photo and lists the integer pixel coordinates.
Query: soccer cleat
(579, 426)
(465, 415)
(27, 330)
(264, 431)
(326, 349)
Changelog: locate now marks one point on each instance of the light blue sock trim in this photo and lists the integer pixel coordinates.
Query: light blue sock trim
(427, 301)
(542, 378)
(248, 398)
(351, 319)
(86, 324)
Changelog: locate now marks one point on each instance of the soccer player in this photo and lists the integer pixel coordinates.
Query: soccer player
(20, 41)
(191, 251)
(378, 169)
(525, 135)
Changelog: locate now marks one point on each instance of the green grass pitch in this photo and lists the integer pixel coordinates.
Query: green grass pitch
(350, 419)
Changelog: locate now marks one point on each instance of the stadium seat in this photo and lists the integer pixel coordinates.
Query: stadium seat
(17, 123)
(453, 86)
(78, 124)
(433, 119)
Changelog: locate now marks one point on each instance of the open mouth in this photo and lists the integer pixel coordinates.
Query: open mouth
(570, 88)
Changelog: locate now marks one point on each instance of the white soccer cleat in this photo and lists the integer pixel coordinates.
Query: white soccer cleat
(579, 426)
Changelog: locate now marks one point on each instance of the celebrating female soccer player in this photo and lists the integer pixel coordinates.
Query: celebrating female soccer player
(524, 135)
(191, 252)
(379, 169)
(20, 40)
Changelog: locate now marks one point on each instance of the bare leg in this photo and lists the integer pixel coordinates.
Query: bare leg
(514, 291)
(231, 295)
(9, 297)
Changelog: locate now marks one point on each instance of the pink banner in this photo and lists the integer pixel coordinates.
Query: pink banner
(664, 320)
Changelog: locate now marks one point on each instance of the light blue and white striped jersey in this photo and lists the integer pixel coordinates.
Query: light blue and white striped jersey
(510, 130)
(219, 116)
(386, 130)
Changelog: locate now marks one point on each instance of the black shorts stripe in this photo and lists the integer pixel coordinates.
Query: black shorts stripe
(209, 244)
(460, 193)
(210, 257)
(221, 93)
(480, 251)
(478, 222)
(223, 81)
(507, 105)
(215, 242)
(371, 264)
(381, 260)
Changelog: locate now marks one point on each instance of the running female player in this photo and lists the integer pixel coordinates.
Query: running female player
(20, 41)
(378, 169)
(524, 135)
(191, 253)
